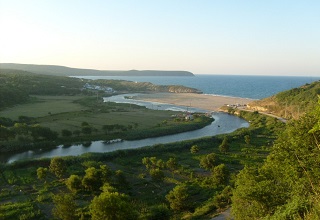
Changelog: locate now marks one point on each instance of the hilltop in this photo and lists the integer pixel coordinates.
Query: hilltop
(291, 103)
(68, 71)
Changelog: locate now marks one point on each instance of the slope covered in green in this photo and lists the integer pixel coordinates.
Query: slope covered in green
(287, 185)
(291, 103)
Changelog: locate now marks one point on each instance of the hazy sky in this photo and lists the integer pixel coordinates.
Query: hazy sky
(261, 37)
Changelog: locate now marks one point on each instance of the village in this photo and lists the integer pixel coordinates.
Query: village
(105, 89)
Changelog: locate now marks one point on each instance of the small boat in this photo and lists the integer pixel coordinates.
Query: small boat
(113, 141)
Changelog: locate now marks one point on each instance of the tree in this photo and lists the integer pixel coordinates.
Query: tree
(156, 174)
(84, 124)
(42, 173)
(108, 188)
(64, 207)
(21, 128)
(86, 130)
(105, 173)
(194, 149)
(287, 184)
(39, 132)
(223, 199)
(247, 139)
(224, 146)
(209, 161)
(57, 167)
(76, 133)
(74, 183)
(172, 164)
(92, 180)
(66, 133)
(112, 206)
(154, 167)
(121, 179)
(220, 174)
(5, 133)
(159, 212)
(231, 110)
(150, 162)
(178, 198)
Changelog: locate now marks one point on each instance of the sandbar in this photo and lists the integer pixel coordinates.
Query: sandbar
(202, 101)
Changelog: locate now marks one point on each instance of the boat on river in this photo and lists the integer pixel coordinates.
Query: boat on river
(113, 141)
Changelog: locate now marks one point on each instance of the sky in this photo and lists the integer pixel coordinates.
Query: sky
(246, 37)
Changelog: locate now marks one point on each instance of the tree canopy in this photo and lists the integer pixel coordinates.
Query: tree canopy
(287, 185)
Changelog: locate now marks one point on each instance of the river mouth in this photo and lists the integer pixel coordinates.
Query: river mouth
(223, 123)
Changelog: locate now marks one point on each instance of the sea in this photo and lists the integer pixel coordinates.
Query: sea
(253, 87)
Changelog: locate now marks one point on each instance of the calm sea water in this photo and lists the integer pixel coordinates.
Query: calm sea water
(254, 87)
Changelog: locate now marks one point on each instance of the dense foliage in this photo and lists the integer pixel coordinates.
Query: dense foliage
(291, 103)
(286, 186)
(184, 180)
(129, 86)
(36, 84)
(10, 95)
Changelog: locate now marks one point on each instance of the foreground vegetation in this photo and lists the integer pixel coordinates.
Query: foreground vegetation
(287, 184)
(290, 104)
(189, 179)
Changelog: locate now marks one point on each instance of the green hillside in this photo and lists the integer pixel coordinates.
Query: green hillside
(17, 85)
(291, 103)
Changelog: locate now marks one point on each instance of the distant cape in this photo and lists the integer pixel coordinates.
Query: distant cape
(68, 71)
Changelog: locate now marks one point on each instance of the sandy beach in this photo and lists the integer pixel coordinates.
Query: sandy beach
(207, 102)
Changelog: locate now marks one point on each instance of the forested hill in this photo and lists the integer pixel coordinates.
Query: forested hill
(67, 71)
(17, 85)
(291, 103)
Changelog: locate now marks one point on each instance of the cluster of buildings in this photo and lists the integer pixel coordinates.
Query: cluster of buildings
(105, 89)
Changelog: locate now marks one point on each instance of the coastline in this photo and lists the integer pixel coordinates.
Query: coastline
(203, 101)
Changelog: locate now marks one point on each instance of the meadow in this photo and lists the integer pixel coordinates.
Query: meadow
(41, 106)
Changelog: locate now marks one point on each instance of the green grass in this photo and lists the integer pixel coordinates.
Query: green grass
(67, 112)
(43, 105)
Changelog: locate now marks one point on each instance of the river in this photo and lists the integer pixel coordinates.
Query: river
(223, 123)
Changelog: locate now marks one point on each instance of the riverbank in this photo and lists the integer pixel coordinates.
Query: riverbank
(202, 101)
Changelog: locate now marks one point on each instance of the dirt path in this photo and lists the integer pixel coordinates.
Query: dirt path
(226, 215)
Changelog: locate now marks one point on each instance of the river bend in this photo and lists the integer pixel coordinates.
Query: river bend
(223, 123)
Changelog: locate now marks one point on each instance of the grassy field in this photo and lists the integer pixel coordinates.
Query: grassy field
(72, 120)
(63, 112)
(43, 105)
